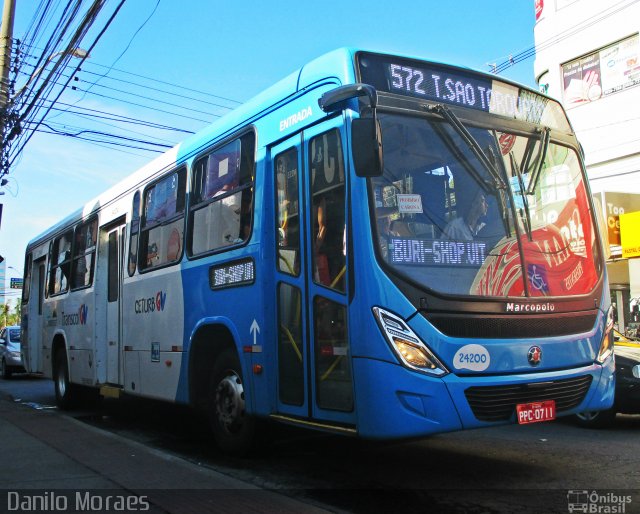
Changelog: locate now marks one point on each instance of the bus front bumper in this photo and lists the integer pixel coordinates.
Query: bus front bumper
(406, 404)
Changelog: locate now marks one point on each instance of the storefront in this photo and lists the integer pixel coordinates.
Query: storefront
(621, 238)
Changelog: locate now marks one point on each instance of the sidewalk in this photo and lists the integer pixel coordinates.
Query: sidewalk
(45, 456)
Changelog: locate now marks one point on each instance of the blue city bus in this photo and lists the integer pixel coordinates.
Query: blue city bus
(377, 246)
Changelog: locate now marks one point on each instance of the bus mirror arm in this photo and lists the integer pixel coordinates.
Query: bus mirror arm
(337, 99)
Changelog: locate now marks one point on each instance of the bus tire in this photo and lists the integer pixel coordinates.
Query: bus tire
(5, 371)
(233, 430)
(599, 419)
(66, 392)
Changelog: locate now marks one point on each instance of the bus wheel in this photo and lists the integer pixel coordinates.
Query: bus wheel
(232, 428)
(66, 392)
(599, 419)
(4, 370)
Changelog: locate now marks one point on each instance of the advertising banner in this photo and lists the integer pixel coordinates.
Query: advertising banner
(602, 73)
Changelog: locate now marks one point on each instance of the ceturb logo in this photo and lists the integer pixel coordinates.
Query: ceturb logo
(151, 304)
(77, 318)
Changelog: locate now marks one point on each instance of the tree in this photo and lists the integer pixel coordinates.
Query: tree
(15, 318)
(10, 317)
(5, 314)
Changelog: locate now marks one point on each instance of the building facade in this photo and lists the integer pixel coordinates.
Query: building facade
(588, 57)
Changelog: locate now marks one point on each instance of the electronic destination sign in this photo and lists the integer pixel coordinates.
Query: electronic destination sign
(435, 252)
(461, 87)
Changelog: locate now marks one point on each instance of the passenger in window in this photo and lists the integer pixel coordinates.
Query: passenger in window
(466, 228)
(322, 274)
(400, 228)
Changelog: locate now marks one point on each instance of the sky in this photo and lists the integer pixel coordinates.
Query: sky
(233, 50)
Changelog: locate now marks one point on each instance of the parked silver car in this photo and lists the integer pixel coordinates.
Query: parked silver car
(10, 356)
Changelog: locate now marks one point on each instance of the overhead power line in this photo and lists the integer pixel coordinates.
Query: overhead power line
(531, 51)
(88, 20)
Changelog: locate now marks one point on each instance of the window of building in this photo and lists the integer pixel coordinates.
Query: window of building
(601, 73)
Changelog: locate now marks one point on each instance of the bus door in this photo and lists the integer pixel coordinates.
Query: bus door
(112, 255)
(314, 368)
(34, 316)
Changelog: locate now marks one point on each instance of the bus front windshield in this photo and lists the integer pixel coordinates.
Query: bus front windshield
(476, 211)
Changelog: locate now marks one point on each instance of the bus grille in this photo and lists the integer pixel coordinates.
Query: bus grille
(498, 403)
(513, 327)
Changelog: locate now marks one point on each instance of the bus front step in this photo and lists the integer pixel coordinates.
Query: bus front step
(110, 391)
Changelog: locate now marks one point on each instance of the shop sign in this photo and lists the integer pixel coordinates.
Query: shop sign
(612, 206)
(630, 234)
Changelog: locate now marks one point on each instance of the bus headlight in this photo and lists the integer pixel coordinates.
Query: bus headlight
(606, 347)
(411, 351)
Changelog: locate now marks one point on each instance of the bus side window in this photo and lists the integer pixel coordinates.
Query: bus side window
(60, 264)
(221, 212)
(26, 288)
(135, 229)
(84, 251)
(328, 198)
(163, 225)
(288, 215)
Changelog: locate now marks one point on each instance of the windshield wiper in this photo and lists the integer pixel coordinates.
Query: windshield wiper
(545, 136)
(471, 142)
(523, 194)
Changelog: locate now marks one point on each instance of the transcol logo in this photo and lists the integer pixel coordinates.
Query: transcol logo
(151, 304)
(77, 318)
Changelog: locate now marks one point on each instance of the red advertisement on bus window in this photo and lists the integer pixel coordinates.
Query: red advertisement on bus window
(558, 259)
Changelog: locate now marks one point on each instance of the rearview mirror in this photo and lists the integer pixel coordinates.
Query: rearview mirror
(366, 142)
(366, 136)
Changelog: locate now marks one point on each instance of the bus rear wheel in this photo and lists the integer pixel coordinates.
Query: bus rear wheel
(233, 430)
(66, 392)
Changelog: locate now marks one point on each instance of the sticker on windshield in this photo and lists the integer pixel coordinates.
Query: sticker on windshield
(474, 357)
(409, 204)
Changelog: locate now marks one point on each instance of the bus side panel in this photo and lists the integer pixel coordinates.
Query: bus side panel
(238, 311)
(153, 321)
(76, 311)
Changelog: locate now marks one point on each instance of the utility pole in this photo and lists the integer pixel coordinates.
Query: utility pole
(6, 40)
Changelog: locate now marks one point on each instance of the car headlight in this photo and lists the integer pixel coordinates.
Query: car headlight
(635, 371)
(606, 346)
(15, 355)
(411, 351)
